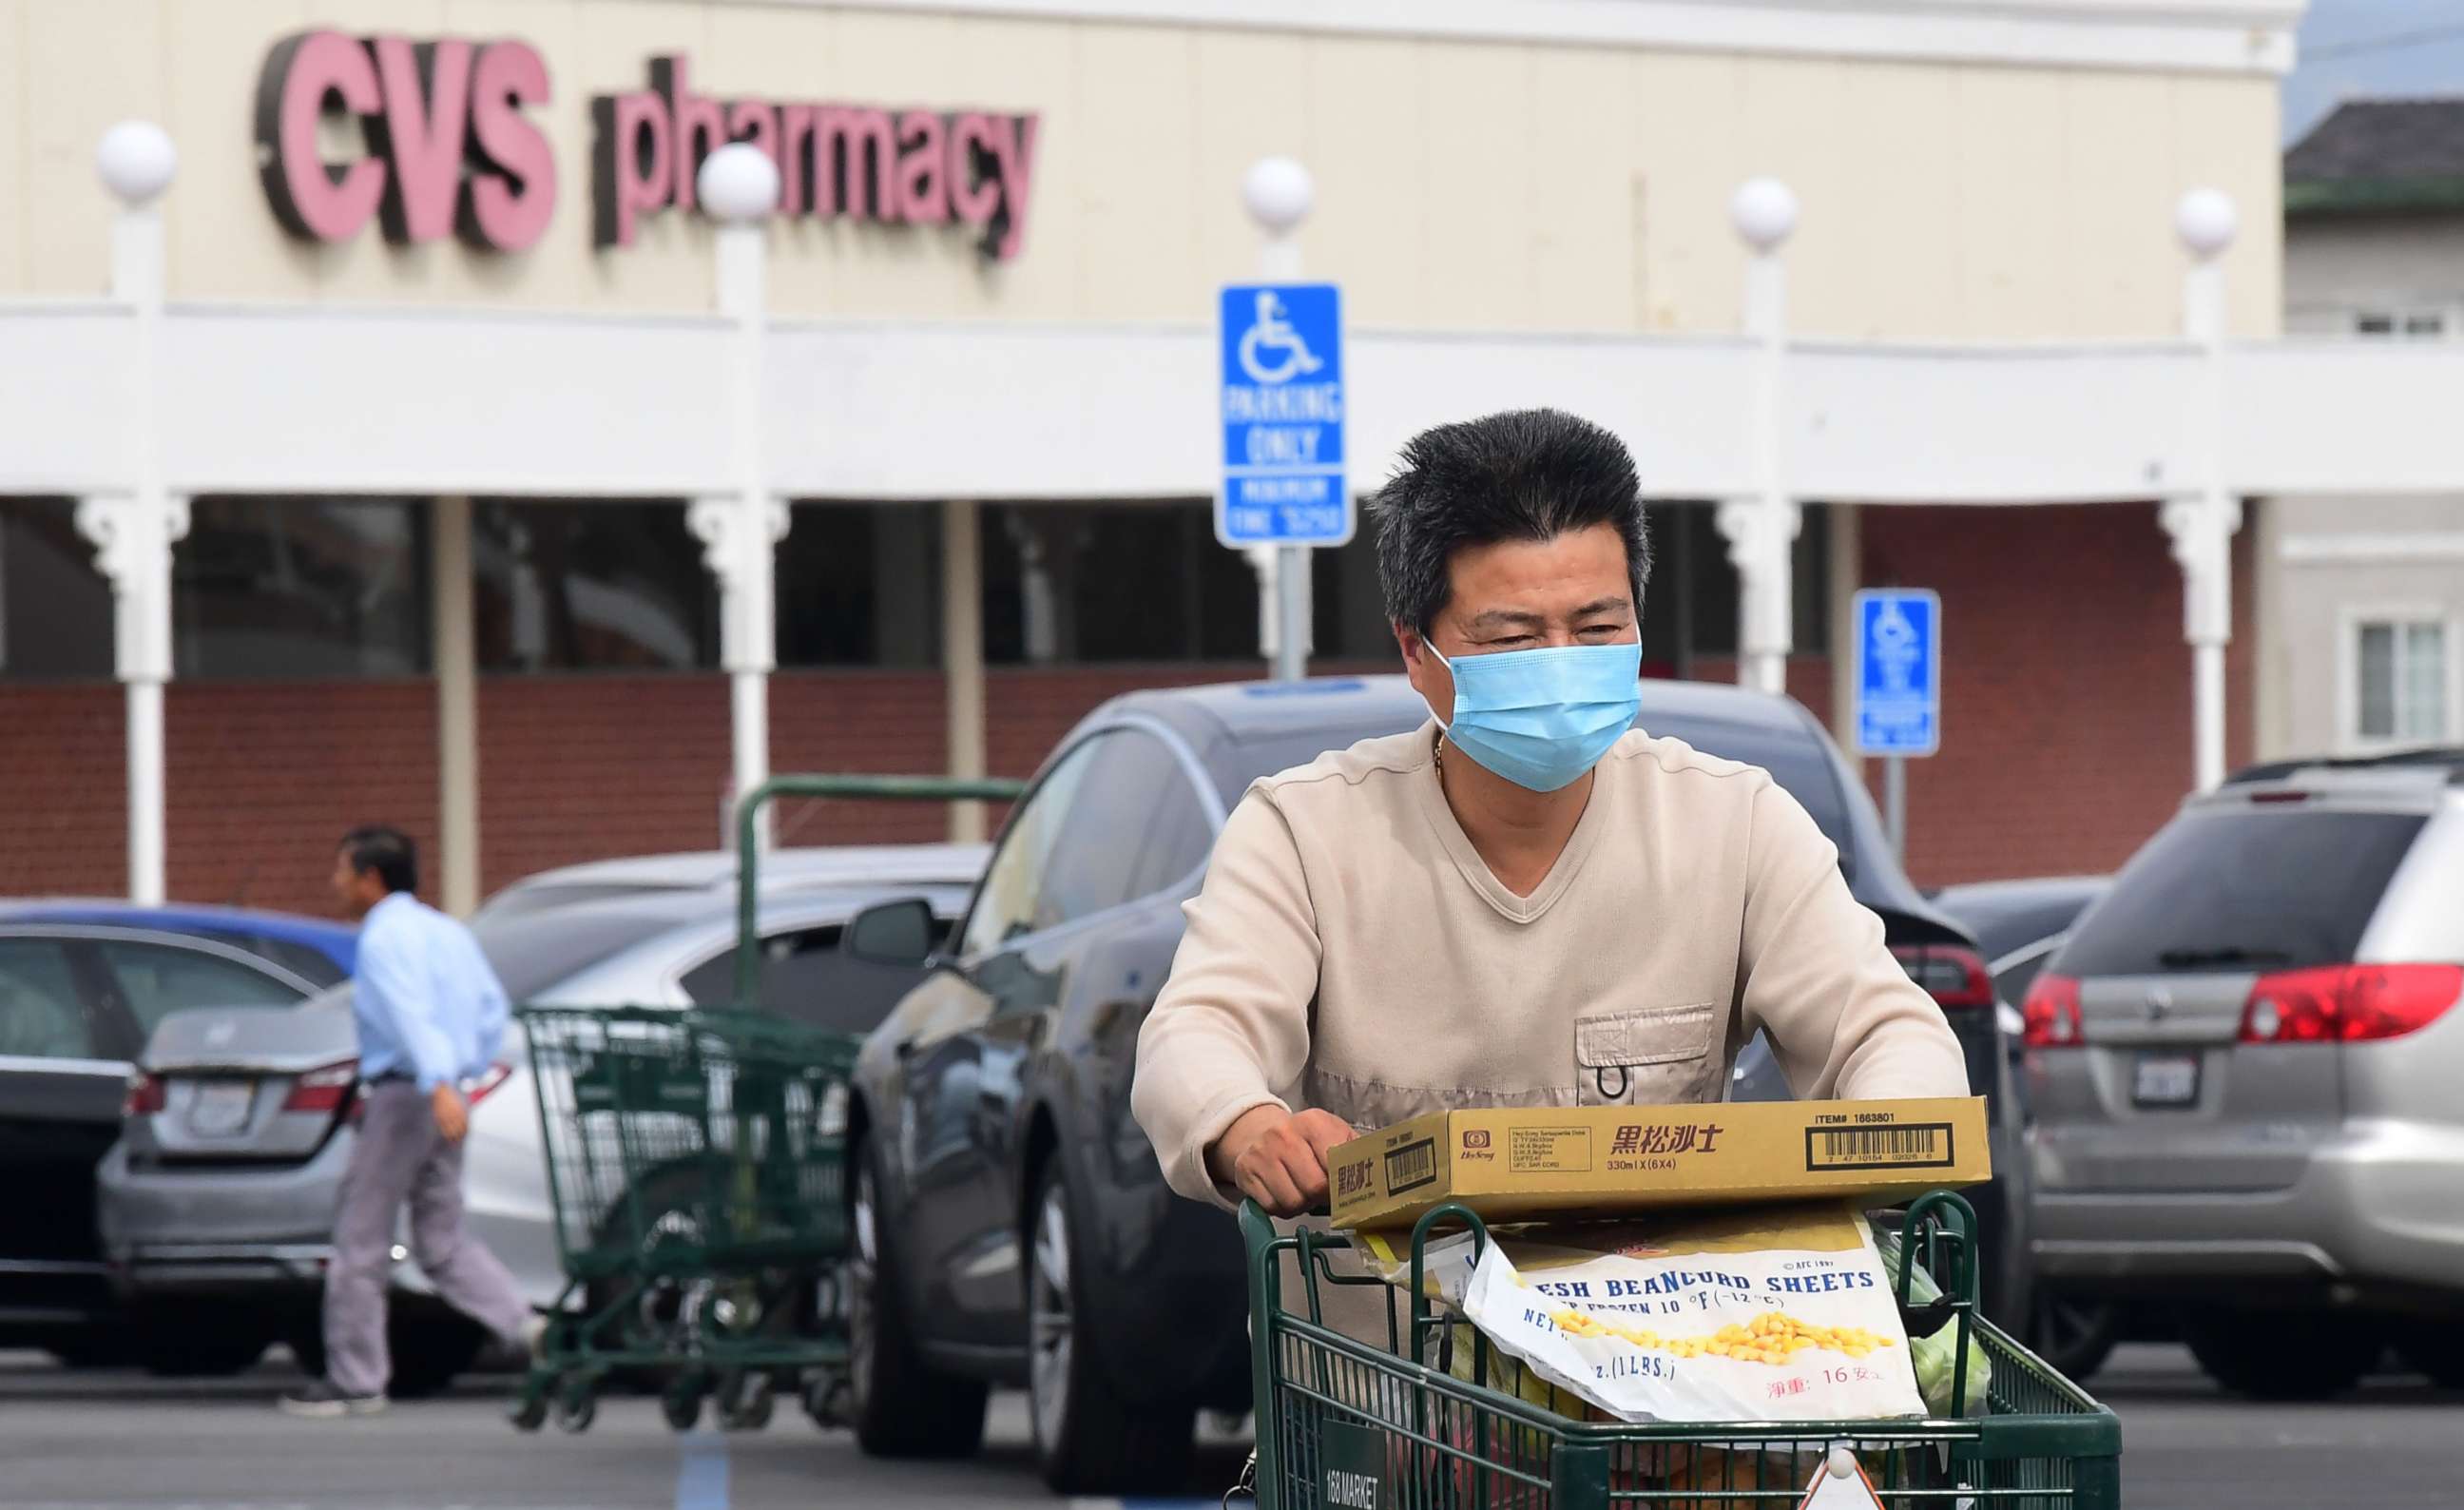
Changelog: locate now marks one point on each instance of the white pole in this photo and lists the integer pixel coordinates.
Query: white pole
(1762, 527)
(962, 658)
(2202, 525)
(147, 794)
(134, 531)
(1278, 193)
(739, 186)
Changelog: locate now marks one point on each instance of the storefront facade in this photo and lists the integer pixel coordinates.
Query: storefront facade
(449, 391)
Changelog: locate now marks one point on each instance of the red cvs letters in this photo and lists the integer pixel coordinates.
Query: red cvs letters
(916, 167)
(447, 148)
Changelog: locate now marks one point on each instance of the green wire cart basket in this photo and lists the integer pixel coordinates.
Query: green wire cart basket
(1344, 1424)
(696, 1162)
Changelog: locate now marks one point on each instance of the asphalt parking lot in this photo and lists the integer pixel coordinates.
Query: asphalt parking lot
(107, 1440)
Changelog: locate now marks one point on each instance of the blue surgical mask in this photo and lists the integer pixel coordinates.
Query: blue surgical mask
(1541, 717)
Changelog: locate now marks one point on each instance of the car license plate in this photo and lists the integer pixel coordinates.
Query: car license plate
(220, 1107)
(2165, 1079)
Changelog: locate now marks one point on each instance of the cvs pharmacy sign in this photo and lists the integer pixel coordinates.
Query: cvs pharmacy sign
(438, 140)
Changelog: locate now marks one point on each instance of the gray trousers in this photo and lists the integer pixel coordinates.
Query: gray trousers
(401, 1157)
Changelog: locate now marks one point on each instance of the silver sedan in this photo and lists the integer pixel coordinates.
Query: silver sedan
(224, 1181)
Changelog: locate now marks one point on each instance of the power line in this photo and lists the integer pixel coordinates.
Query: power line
(2386, 43)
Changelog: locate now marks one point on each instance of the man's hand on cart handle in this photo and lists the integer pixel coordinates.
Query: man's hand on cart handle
(1278, 1157)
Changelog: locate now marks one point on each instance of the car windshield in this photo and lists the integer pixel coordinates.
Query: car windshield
(1794, 757)
(2244, 889)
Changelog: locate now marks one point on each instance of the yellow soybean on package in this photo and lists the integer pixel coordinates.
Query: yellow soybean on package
(1765, 1314)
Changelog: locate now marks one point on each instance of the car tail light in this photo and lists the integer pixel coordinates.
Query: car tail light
(326, 1088)
(2348, 1002)
(2053, 1013)
(486, 1085)
(1952, 975)
(144, 1095)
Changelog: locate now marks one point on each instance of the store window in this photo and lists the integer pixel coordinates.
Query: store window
(2413, 324)
(1689, 607)
(301, 586)
(1129, 582)
(860, 585)
(2400, 669)
(1148, 582)
(590, 586)
(54, 605)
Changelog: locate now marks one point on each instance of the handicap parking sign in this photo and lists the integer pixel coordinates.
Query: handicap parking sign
(1282, 409)
(1899, 671)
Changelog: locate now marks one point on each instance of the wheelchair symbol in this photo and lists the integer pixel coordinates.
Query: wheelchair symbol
(1271, 332)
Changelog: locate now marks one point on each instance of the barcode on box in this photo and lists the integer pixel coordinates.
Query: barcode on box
(1411, 1166)
(1919, 1145)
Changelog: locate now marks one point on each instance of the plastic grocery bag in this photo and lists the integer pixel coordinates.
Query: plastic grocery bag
(1764, 1314)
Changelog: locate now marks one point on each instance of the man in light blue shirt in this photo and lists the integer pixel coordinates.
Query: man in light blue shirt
(432, 1019)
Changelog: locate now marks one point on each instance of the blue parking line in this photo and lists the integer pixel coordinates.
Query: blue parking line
(701, 1471)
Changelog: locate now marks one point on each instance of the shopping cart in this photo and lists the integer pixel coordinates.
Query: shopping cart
(696, 1162)
(1416, 1425)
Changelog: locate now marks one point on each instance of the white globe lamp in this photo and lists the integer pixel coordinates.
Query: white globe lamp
(136, 160)
(1277, 193)
(1764, 212)
(2206, 221)
(738, 183)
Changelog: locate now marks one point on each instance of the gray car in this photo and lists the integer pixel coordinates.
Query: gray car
(223, 1187)
(2243, 1065)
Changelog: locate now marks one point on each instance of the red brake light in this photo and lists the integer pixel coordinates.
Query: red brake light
(486, 1085)
(2348, 1002)
(1953, 976)
(2053, 1013)
(326, 1088)
(144, 1095)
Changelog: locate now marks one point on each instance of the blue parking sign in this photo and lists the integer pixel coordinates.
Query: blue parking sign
(1899, 671)
(1282, 409)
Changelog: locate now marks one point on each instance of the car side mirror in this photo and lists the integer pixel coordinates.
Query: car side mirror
(901, 932)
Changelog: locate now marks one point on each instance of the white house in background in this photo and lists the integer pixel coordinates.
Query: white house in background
(2366, 652)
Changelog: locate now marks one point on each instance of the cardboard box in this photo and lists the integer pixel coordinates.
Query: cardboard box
(1507, 1163)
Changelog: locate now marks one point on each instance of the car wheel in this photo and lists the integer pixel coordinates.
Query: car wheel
(198, 1350)
(431, 1348)
(2072, 1333)
(1087, 1440)
(903, 1407)
(2434, 1347)
(2281, 1355)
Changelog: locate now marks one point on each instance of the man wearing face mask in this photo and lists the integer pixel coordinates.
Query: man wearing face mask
(1527, 902)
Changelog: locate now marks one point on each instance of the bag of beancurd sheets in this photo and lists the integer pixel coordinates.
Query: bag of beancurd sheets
(1769, 1313)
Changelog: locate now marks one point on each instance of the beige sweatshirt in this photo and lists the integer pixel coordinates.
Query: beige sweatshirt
(1351, 951)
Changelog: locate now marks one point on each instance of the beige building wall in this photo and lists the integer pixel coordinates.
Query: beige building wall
(1459, 184)
(2408, 265)
(2346, 559)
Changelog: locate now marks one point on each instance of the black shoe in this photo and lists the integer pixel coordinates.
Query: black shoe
(321, 1401)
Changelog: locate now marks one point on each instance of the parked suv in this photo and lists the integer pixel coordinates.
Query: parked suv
(2244, 1065)
(1012, 1226)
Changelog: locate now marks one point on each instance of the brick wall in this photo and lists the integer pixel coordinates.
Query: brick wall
(263, 777)
(2066, 698)
(2066, 721)
(63, 791)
